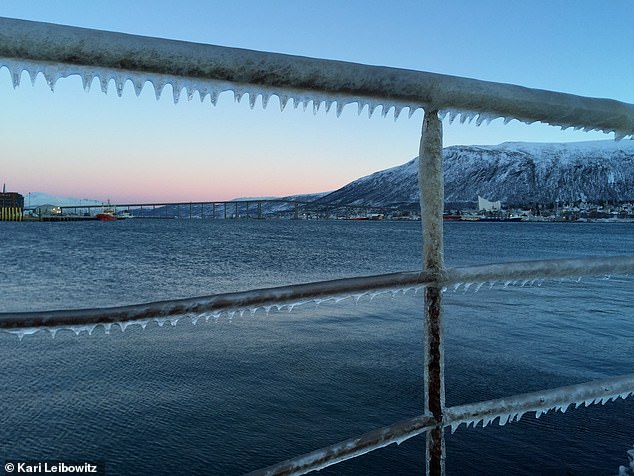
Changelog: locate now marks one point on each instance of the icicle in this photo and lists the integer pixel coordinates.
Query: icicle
(340, 106)
(189, 89)
(86, 80)
(176, 91)
(504, 419)
(106, 327)
(411, 112)
(16, 76)
(371, 108)
(265, 100)
(20, 333)
(119, 82)
(252, 98)
(137, 83)
(619, 135)
(237, 95)
(213, 96)
(50, 79)
(159, 84)
(32, 69)
(203, 92)
(328, 104)
(103, 81)
(466, 117)
(397, 112)
(283, 101)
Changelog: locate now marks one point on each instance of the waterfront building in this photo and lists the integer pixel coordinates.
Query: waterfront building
(11, 206)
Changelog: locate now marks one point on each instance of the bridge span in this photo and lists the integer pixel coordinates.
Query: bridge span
(234, 209)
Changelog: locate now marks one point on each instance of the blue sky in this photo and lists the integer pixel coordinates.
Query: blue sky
(91, 145)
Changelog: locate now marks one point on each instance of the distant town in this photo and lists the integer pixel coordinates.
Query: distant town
(12, 209)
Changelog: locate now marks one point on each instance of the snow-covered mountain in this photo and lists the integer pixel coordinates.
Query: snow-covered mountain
(515, 173)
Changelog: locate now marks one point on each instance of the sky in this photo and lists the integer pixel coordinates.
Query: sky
(136, 149)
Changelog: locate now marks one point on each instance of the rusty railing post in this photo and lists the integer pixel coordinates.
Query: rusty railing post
(431, 185)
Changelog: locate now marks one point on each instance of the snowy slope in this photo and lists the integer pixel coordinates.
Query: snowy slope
(515, 173)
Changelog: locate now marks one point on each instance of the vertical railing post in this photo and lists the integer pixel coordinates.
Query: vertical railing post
(431, 186)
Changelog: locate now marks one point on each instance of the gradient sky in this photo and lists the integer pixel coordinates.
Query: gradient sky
(90, 145)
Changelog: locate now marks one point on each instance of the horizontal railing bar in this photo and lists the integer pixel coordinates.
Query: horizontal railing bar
(84, 49)
(217, 302)
(321, 289)
(513, 407)
(541, 269)
(351, 448)
(507, 409)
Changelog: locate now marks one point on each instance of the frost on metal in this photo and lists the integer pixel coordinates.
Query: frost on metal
(58, 51)
(288, 297)
(505, 410)
(560, 399)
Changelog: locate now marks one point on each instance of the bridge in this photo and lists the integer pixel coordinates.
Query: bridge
(234, 209)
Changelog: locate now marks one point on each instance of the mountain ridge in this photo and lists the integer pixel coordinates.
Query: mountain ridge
(516, 173)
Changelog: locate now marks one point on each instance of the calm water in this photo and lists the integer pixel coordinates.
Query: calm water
(232, 395)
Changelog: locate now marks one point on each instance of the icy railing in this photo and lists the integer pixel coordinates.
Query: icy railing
(289, 297)
(60, 51)
(505, 410)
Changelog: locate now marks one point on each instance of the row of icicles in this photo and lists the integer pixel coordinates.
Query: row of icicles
(504, 418)
(211, 88)
(289, 307)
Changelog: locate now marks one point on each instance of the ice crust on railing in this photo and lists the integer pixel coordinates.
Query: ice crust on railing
(119, 56)
(289, 297)
(506, 410)
(110, 79)
(227, 315)
(512, 408)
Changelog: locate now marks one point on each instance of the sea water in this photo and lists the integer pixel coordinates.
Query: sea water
(240, 392)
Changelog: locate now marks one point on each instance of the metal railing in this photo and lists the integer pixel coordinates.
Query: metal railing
(59, 51)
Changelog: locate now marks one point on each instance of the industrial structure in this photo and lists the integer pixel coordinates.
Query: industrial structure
(11, 205)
